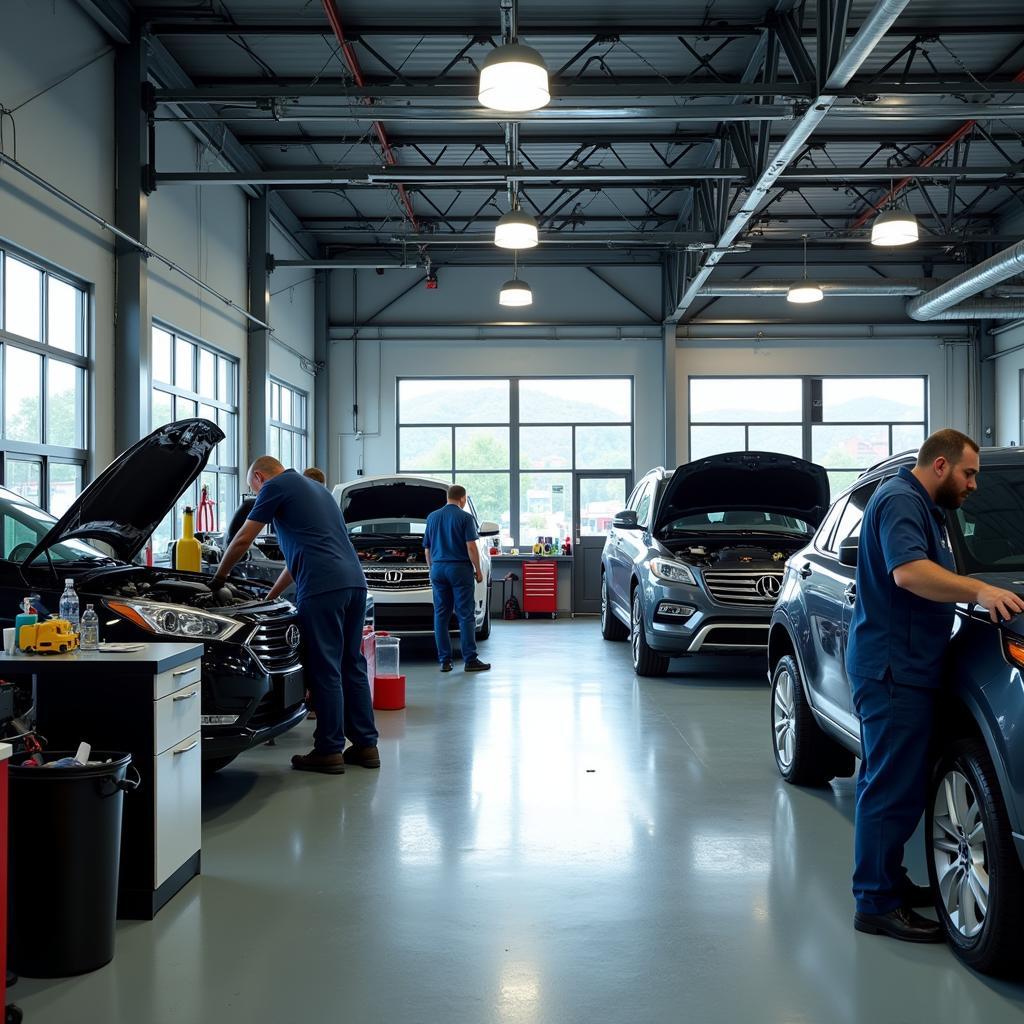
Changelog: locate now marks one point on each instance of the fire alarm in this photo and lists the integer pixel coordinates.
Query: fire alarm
(432, 279)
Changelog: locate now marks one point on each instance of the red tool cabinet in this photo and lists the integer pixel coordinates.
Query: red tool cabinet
(540, 588)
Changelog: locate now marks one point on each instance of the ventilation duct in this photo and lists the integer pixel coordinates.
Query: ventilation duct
(955, 299)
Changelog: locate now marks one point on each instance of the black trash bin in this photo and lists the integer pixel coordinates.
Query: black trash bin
(65, 853)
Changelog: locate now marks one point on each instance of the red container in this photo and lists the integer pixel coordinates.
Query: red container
(540, 588)
(389, 693)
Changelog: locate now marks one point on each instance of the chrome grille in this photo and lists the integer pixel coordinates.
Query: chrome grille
(269, 643)
(744, 587)
(397, 577)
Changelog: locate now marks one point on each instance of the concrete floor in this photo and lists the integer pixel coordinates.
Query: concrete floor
(554, 842)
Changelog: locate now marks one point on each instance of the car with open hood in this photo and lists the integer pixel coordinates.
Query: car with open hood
(386, 517)
(974, 811)
(252, 684)
(694, 563)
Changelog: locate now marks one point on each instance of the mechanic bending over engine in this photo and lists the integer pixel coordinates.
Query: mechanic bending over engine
(331, 601)
(907, 591)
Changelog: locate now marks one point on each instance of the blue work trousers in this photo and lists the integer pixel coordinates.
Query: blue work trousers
(454, 586)
(896, 728)
(335, 669)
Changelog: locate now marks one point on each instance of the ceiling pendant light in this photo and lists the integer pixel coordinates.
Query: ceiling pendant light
(514, 78)
(894, 227)
(515, 292)
(804, 291)
(516, 230)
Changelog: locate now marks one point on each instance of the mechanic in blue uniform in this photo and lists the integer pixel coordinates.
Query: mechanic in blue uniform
(331, 600)
(907, 591)
(450, 544)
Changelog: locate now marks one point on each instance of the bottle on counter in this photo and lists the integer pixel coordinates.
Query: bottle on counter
(90, 635)
(27, 617)
(69, 604)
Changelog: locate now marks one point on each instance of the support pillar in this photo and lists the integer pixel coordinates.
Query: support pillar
(258, 348)
(669, 384)
(322, 381)
(132, 329)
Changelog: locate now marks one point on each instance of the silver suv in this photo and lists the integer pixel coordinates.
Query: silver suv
(694, 562)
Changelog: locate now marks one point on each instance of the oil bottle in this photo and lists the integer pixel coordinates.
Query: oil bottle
(188, 552)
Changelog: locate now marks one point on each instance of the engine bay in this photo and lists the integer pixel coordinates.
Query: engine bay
(405, 553)
(174, 590)
(735, 556)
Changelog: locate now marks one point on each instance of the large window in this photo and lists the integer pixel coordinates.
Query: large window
(43, 365)
(845, 424)
(191, 379)
(515, 443)
(289, 430)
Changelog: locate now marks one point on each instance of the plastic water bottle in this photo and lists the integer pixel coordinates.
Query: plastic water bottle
(90, 640)
(69, 604)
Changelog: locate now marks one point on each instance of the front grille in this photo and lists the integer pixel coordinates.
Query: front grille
(397, 578)
(744, 587)
(724, 637)
(269, 643)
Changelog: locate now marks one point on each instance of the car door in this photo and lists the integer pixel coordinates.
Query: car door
(621, 550)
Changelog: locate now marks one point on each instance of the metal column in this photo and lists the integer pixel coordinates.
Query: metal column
(132, 335)
(259, 337)
(322, 381)
(669, 386)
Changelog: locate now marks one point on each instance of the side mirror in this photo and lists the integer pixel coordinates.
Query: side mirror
(848, 552)
(626, 520)
(489, 529)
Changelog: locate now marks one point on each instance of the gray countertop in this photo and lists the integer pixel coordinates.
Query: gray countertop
(153, 658)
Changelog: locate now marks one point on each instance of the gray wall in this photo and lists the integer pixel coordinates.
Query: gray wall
(1008, 368)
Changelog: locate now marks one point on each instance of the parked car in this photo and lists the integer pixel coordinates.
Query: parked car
(386, 517)
(975, 809)
(252, 686)
(694, 562)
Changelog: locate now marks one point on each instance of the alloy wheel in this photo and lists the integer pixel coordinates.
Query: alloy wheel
(636, 624)
(784, 719)
(960, 854)
(604, 601)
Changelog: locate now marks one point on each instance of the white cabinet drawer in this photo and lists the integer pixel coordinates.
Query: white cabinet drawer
(177, 811)
(175, 679)
(176, 716)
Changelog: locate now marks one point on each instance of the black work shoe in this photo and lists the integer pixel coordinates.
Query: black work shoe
(918, 895)
(446, 665)
(326, 764)
(365, 757)
(476, 665)
(901, 923)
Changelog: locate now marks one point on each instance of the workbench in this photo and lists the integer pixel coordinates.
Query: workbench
(503, 564)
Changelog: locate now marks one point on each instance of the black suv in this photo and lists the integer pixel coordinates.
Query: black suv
(975, 808)
(253, 686)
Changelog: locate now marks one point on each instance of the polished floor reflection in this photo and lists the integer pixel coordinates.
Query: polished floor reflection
(554, 842)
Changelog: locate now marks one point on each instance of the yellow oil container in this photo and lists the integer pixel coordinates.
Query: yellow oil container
(188, 552)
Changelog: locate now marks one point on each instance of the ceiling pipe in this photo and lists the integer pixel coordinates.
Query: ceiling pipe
(955, 298)
(838, 289)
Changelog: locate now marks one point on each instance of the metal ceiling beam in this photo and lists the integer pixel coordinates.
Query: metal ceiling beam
(113, 16)
(874, 28)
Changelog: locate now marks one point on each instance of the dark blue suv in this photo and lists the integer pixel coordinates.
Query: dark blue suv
(975, 807)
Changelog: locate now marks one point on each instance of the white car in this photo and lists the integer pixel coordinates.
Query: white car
(386, 517)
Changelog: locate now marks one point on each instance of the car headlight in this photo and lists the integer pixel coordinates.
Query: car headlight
(671, 572)
(175, 620)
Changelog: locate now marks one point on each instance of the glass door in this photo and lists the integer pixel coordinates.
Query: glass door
(597, 498)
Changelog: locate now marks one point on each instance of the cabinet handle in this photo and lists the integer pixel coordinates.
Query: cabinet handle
(185, 671)
(185, 750)
(185, 696)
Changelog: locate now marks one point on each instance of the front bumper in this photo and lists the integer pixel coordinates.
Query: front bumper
(411, 612)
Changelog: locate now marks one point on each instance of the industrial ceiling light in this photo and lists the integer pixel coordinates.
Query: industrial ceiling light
(515, 292)
(514, 78)
(894, 227)
(516, 230)
(804, 291)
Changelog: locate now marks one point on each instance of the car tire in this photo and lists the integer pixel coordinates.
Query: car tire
(611, 627)
(804, 755)
(485, 630)
(970, 851)
(646, 662)
(215, 764)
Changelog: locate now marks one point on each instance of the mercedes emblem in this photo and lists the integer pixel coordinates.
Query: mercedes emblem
(769, 587)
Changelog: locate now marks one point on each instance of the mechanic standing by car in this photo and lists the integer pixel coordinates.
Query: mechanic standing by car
(449, 542)
(331, 601)
(907, 591)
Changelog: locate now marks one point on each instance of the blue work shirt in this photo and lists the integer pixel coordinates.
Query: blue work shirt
(448, 531)
(893, 630)
(311, 532)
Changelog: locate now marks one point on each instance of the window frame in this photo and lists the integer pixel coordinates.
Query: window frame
(301, 431)
(42, 451)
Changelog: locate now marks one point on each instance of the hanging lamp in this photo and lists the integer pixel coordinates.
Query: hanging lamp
(804, 291)
(515, 292)
(514, 78)
(894, 227)
(515, 230)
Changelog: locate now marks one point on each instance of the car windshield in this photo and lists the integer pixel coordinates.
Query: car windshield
(732, 521)
(24, 525)
(991, 522)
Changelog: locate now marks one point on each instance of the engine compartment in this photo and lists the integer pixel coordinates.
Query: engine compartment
(733, 555)
(171, 589)
(377, 550)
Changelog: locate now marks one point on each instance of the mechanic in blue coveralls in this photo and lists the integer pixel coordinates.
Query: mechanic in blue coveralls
(907, 591)
(331, 600)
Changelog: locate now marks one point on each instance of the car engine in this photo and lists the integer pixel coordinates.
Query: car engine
(191, 593)
(736, 555)
(390, 553)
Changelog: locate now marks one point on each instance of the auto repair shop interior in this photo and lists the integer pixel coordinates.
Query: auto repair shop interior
(670, 289)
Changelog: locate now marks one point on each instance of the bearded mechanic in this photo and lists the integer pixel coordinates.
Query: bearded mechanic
(907, 592)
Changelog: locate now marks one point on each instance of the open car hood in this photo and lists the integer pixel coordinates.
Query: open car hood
(126, 502)
(747, 482)
(396, 498)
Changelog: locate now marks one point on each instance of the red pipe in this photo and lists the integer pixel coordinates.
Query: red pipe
(944, 147)
(331, 10)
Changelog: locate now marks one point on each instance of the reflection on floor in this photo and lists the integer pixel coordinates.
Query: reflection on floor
(554, 842)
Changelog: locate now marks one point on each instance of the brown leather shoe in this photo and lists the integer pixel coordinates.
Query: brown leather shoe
(326, 764)
(365, 757)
